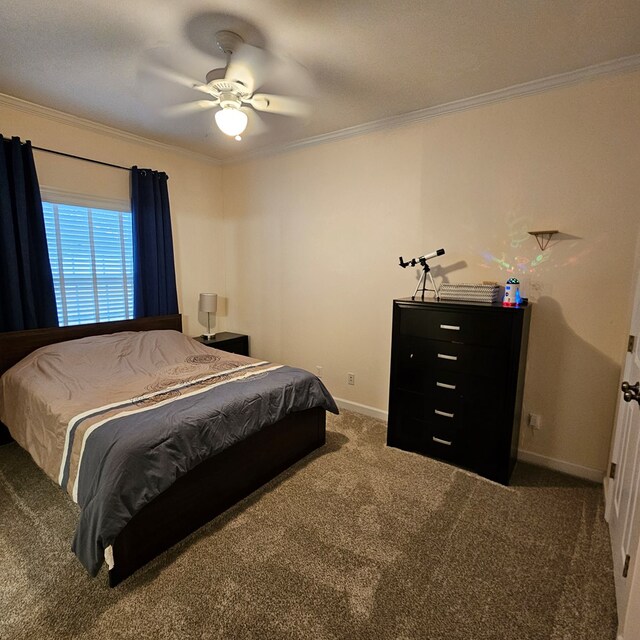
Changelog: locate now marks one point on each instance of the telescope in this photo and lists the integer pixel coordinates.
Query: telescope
(422, 259)
(426, 271)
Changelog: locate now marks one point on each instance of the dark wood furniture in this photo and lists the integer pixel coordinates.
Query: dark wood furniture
(227, 341)
(457, 376)
(214, 486)
(5, 436)
(208, 489)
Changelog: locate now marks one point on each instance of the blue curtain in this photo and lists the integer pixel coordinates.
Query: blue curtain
(27, 297)
(154, 270)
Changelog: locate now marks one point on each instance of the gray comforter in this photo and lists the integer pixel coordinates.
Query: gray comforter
(117, 419)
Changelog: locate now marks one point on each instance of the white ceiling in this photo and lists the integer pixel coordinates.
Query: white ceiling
(359, 60)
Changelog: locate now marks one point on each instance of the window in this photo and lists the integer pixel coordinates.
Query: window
(91, 255)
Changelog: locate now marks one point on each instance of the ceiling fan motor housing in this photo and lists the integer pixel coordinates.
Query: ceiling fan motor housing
(220, 86)
(228, 99)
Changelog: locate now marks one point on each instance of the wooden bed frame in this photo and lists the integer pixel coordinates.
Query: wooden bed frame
(208, 489)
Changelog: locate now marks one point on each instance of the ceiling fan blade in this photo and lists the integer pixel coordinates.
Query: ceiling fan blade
(204, 88)
(288, 77)
(177, 78)
(188, 107)
(166, 76)
(256, 124)
(248, 65)
(158, 88)
(281, 105)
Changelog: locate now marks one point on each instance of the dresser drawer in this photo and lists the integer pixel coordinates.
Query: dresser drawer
(407, 404)
(411, 359)
(450, 386)
(445, 441)
(439, 407)
(465, 358)
(421, 364)
(456, 326)
(418, 358)
(427, 422)
(425, 436)
(454, 428)
(407, 432)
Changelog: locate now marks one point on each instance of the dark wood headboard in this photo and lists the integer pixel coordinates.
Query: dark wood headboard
(15, 345)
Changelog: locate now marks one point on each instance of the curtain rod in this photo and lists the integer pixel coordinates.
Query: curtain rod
(70, 155)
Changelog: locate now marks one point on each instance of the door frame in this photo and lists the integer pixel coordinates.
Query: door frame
(629, 618)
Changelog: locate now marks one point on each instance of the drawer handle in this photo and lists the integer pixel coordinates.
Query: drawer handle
(441, 441)
(444, 385)
(443, 413)
(444, 356)
(450, 327)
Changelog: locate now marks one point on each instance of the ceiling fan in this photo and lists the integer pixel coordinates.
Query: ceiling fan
(233, 87)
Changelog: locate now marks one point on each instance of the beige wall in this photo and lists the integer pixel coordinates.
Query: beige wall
(305, 255)
(194, 190)
(313, 238)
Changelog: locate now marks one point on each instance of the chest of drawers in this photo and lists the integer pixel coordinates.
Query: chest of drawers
(457, 376)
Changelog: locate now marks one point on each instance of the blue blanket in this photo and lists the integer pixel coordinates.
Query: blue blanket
(129, 460)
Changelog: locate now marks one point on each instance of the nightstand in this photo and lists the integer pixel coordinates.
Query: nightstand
(227, 341)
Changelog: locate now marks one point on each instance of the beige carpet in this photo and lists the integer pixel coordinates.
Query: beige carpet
(356, 541)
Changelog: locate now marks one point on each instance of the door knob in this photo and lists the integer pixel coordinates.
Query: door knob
(631, 391)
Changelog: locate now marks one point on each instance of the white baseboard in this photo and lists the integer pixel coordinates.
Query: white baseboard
(587, 473)
(364, 409)
(596, 475)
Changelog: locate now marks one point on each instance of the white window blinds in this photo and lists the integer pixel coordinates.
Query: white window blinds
(91, 255)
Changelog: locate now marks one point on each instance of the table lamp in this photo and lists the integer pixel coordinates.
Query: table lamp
(208, 304)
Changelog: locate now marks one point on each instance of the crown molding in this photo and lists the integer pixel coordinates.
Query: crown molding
(66, 118)
(620, 65)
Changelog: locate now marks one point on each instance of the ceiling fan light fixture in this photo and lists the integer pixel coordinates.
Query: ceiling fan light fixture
(231, 121)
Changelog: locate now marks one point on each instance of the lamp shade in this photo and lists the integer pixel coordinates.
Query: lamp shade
(231, 121)
(208, 302)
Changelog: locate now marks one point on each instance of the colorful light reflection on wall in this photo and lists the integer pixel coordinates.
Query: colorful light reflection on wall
(519, 264)
(513, 259)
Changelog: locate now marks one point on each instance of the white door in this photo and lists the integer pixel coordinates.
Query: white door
(623, 492)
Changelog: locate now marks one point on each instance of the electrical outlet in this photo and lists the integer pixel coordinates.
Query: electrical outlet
(535, 421)
(351, 378)
(319, 371)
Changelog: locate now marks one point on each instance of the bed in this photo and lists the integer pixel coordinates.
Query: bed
(202, 428)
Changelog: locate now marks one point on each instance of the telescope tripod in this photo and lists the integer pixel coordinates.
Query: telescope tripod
(426, 271)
